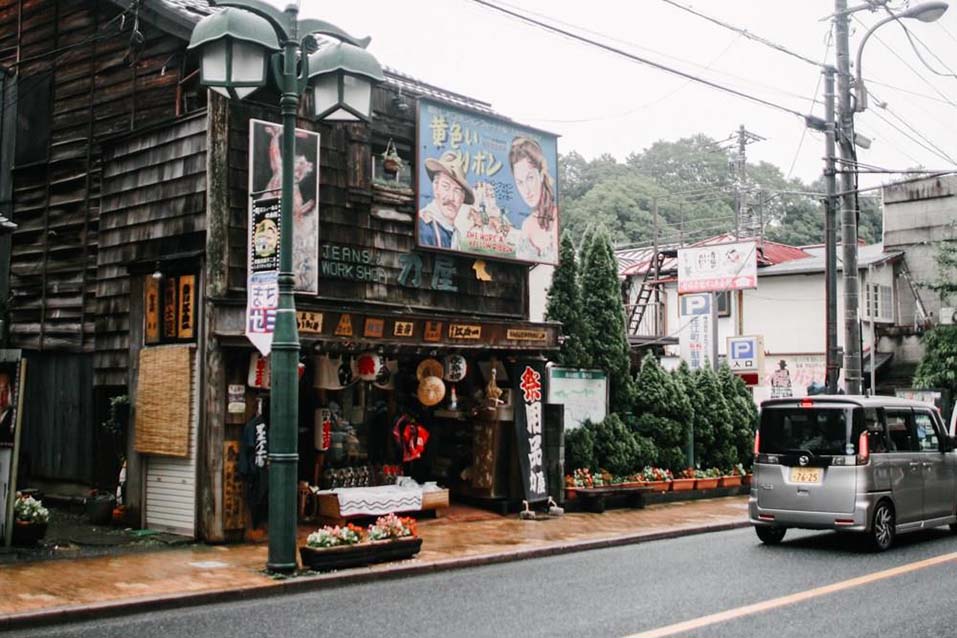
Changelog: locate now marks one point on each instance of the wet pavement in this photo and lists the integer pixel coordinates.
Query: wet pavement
(461, 536)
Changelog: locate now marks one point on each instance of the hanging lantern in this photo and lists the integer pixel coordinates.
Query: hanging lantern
(429, 368)
(431, 391)
(369, 365)
(456, 368)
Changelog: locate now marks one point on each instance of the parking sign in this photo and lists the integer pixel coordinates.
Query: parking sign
(746, 354)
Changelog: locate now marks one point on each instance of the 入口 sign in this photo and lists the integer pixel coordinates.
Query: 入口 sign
(746, 354)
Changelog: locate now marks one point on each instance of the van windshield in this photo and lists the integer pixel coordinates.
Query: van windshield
(818, 430)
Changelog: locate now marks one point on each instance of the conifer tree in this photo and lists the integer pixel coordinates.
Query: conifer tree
(714, 435)
(664, 413)
(744, 414)
(684, 378)
(603, 319)
(564, 305)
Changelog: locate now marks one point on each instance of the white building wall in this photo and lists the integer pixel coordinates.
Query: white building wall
(539, 281)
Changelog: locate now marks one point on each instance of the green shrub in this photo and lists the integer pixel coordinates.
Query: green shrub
(580, 448)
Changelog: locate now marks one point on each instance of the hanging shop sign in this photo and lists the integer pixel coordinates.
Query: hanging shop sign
(698, 322)
(169, 308)
(485, 186)
(151, 310)
(374, 328)
(309, 322)
(236, 398)
(262, 276)
(186, 310)
(403, 329)
(265, 183)
(584, 393)
(258, 371)
(539, 335)
(731, 266)
(468, 331)
(529, 428)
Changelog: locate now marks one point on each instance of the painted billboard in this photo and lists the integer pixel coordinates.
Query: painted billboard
(731, 266)
(486, 186)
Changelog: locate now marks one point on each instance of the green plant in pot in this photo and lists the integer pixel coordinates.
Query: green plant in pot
(30, 520)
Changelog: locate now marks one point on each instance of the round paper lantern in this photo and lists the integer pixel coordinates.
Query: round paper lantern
(455, 368)
(431, 391)
(369, 366)
(429, 368)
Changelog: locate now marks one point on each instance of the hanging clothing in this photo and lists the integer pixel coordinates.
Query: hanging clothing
(253, 468)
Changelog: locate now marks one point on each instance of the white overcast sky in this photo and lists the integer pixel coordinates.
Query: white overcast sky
(601, 103)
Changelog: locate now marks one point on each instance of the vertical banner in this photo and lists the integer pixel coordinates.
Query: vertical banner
(262, 283)
(529, 428)
(12, 373)
(151, 305)
(265, 182)
(186, 313)
(696, 338)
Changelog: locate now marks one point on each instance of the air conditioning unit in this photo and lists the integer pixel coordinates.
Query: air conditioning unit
(947, 315)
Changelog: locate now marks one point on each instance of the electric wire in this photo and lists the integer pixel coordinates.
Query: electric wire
(817, 89)
(941, 152)
(912, 38)
(636, 58)
(744, 32)
(913, 139)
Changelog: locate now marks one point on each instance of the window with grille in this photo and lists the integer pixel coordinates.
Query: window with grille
(879, 304)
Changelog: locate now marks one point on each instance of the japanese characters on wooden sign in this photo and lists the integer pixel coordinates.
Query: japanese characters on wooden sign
(151, 310)
(525, 334)
(170, 309)
(309, 322)
(233, 517)
(186, 310)
(465, 331)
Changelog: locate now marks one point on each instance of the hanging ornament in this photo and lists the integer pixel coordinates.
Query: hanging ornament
(391, 162)
(429, 368)
(455, 368)
(369, 365)
(431, 391)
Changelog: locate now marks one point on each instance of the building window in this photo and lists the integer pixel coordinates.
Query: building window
(878, 303)
(401, 179)
(724, 303)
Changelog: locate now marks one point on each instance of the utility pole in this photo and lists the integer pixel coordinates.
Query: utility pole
(832, 365)
(743, 222)
(853, 376)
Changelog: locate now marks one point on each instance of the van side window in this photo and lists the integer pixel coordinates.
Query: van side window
(876, 437)
(926, 432)
(900, 430)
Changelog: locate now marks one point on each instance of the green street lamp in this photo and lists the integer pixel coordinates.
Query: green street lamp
(237, 46)
(342, 90)
(925, 12)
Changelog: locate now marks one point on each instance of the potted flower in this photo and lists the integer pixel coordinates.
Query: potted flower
(30, 521)
(339, 547)
(684, 481)
(657, 479)
(732, 478)
(707, 479)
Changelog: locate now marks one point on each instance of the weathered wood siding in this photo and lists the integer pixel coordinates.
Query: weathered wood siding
(347, 201)
(153, 206)
(96, 93)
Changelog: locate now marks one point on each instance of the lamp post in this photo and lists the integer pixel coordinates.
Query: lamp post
(237, 46)
(926, 12)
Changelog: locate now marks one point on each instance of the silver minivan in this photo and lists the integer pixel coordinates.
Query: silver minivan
(875, 465)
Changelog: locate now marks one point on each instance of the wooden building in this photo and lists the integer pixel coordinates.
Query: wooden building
(129, 186)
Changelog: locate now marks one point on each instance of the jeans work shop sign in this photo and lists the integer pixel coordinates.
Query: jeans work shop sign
(529, 420)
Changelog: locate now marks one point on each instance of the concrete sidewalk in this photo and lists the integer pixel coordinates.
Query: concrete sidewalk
(74, 589)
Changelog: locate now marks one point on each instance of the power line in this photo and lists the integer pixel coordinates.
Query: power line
(926, 147)
(941, 152)
(744, 32)
(908, 91)
(636, 58)
(911, 38)
(817, 89)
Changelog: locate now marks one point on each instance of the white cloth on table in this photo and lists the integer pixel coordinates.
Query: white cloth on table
(377, 501)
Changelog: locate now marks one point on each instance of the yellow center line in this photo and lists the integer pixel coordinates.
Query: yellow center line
(791, 599)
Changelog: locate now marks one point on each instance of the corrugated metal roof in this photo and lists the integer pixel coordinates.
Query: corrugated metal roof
(870, 255)
(635, 261)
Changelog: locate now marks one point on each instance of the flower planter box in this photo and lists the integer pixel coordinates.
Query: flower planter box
(682, 484)
(746, 479)
(730, 481)
(28, 534)
(345, 556)
(706, 483)
(658, 486)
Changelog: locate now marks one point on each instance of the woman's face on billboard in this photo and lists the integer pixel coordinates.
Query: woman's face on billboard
(528, 180)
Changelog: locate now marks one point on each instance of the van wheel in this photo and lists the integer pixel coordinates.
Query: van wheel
(882, 527)
(770, 535)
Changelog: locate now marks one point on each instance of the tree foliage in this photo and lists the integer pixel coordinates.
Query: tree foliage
(938, 367)
(744, 414)
(565, 305)
(664, 413)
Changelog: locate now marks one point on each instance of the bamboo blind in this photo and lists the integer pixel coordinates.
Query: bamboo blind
(163, 399)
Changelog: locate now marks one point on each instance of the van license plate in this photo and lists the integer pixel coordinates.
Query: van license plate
(805, 475)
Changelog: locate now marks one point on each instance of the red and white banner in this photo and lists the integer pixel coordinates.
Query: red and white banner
(731, 266)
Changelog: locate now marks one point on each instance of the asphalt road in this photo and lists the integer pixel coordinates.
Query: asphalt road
(614, 592)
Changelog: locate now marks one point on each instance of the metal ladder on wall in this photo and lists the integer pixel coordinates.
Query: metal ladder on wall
(920, 314)
(648, 285)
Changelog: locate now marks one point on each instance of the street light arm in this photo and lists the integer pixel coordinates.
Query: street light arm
(861, 104)
(321, 27)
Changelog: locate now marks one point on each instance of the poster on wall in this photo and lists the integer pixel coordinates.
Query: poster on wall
(584, 393)
(265, 182)
(731, 266)
(530, 429)
(794, 375)
(262, 273)
(485, 186)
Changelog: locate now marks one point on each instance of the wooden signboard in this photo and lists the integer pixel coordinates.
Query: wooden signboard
(186, 312)
(233, 505)
(169, 308)
(151, 304)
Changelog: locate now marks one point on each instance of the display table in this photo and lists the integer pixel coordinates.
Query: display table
(337, 506)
